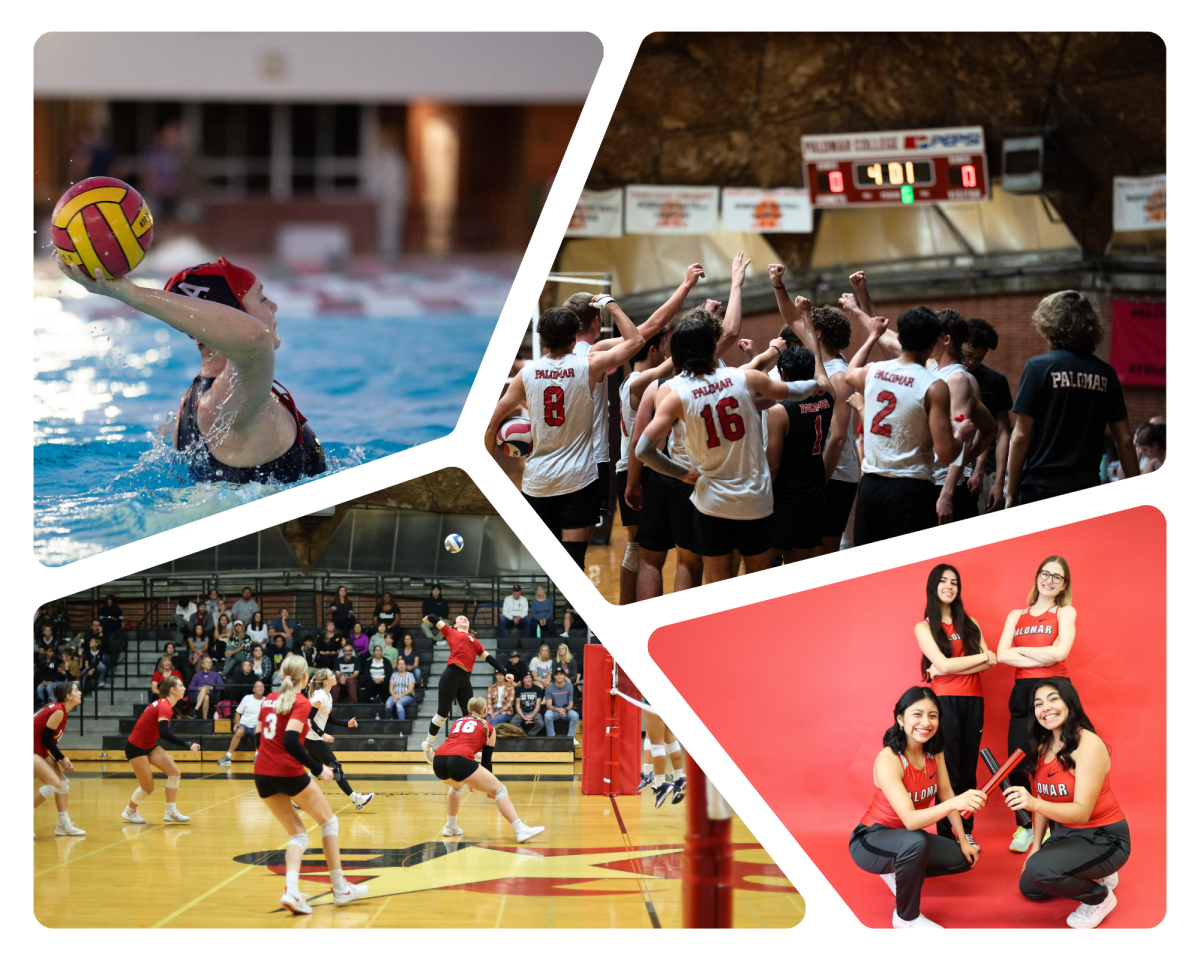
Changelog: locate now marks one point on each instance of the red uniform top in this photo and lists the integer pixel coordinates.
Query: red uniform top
(952, 684)
(464, 648)
(273, 758)
(921, 784)
(1056, 784)
(145, 731)
(39, 724)
(466, 738)
(1039, 631)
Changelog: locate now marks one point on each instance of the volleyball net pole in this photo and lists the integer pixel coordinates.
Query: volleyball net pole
(707, 854)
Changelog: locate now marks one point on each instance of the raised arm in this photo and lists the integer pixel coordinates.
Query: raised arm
(662, 316)
(511, 400)
(766, 360)
(641, 381)
(758, 382)
(889, 344)
(839, 424)
(600, 362)
(856, 370)
(796, 313)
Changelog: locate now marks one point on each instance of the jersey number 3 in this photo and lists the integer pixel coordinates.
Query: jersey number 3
(269, 722)
(553, 406)
(732, 425)
(889, 404)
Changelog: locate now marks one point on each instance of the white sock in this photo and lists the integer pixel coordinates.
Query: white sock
(658, 779)
(647, 768)
(451, 821)
(517, 825)
(64, 818)
(339, 882)
(171, 808)
(293, 882)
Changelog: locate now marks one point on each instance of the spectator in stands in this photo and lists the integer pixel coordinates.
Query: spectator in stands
(329, 647)
(94, 666)
(180, 660)
(401, 688)
(347, 675)
(205, 681)
(379, 637)
(278, 653)
(528, 703)
(500, 698)
(109, 616)
(284, 624)
(359, 640)
(565, 661)
(42, 621)
(991, 468)
(257, 629)
(246, 719)
(185, 618)
(434, 607)
(1066, 399)
(375, 677)
(309, 652)
(222, 632)
(341, 612)
(515, 614)
(559, 698)
(569, 616)
(518, 670)
(60, 617)
(46, 675)
(1150, 442)
(241, 683)
(237, 647)
(541, 612)
(68, 664)
(246, 607)
(412, 658)
(198, 645)
(260, 665)
(542, 666)
(386, 612)
(95, 630)
(211, 611)
(45, 641)
(164, 669)
(219, 611)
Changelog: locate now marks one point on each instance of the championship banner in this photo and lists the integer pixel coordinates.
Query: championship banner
(745, 209)
(651, 209)
(1140, 203)
(1139, 343)
(597, 214)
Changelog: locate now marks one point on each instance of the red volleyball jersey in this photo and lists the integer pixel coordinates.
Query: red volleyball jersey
(273, 758)
(957, 685)
(466, 738)
(1039, 631)
(145, 731)
(464, 648)
(921, 784)
(39, 724)
(1054, 783)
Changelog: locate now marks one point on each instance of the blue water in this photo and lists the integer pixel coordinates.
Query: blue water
(102, 475)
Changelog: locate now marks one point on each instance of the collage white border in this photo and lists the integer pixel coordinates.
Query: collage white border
(620, 25)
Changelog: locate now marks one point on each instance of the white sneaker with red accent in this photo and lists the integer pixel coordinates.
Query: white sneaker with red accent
(920, 921)
(1088, 915)
(296, 902)
(352, 892)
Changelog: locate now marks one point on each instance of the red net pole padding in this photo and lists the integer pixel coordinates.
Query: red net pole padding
(707, 859)
(612, 729)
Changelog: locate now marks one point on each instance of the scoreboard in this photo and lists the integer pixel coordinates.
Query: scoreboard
(896, 167)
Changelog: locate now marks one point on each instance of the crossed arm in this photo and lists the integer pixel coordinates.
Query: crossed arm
(1056, 652)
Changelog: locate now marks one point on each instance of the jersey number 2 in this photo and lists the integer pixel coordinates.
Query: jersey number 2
(732, 425)
(553, 407)
(889, 404)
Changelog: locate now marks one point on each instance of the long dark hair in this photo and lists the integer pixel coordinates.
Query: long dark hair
(894, 737)
(1077, 719)
(964, 626)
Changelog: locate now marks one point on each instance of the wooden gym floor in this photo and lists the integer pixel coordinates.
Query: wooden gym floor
(600, 863)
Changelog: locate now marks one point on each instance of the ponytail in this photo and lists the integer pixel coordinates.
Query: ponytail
(316, 680)
(295, 670)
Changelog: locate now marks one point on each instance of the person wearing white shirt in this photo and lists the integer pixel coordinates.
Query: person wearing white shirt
(185, 618)
(245, 721)
(514, 614)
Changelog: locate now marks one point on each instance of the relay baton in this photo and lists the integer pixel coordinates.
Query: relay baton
(1003, 772)
(1022, 815)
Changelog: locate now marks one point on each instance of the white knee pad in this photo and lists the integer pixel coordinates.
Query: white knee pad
(139, 794)
(673, 747)
(658, 749)
(64, 786)
(298, 840)
(330, 827)
(632, 555)
(458, 791)
(47, 790)
(173, 783)
(646, 744)
(438, 719)
(502, 792)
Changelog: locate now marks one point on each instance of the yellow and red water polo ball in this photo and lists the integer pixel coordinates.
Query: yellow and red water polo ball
(102, 223)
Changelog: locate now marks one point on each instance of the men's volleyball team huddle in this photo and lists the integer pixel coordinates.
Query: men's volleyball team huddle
(765, 461)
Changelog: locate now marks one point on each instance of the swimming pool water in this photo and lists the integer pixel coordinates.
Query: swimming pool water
(104, 384)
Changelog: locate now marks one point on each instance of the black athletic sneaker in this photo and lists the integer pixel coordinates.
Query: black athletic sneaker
(647, 779)
(660, 793)
(678, 786)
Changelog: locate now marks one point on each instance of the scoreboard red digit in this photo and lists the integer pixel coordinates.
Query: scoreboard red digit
(896, 167)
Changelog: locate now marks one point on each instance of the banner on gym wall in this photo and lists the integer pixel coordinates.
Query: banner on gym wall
(1140, 203)
(597, 214)
(748, 210)
(1139, 343)
(653, 209)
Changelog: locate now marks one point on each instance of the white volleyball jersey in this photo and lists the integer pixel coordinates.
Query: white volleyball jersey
(559, 399)
(724, 442)
(324, 704)
(628, 415)
(847, 465)
(599, 410)
(896, 437)
(940, 469)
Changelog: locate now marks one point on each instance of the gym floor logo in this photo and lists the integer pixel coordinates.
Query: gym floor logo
(514, 870)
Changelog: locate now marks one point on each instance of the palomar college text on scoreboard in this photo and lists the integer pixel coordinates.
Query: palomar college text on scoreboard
(895, 167)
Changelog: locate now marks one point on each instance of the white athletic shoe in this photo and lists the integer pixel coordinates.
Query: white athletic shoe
(360, 800)
(353, 892)
(890, 880)
(70, 830)
(225, 761)
(132, 816)
(528, 833)
(1022, 840)
(920, 921)
(1088, 915)
(175, 817)
(449, 831)
(427, 749)
(1110, 881)
(295, 902)
(971, 841)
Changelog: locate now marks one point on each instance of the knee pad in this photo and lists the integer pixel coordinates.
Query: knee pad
(458, 791)
(139, 794)
(298, 840)
(658, 749)
(173, 783)
(577, 551)
(632, 556)
(673, 747)
(646, 744)
(330, 827)
(47, 790)
(502, 792)
(64, 786)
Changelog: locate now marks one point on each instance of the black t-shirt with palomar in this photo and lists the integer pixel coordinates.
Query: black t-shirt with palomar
(801, 474)
(997, 397)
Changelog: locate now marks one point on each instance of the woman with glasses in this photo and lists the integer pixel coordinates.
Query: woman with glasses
(1037, 641)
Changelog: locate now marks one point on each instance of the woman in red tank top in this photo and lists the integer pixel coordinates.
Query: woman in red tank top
(49, 764)
(953, 654)
(1089, 838)
(910, 777)
(1036, 640)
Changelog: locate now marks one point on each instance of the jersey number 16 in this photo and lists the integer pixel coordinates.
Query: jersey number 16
(732, 425)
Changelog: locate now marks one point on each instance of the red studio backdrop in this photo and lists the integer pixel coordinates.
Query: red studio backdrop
(1139, 343)
(838, 657)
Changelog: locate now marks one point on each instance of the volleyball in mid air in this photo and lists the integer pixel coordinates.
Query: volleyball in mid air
(516, 436)
(102, 223)
(454, 543)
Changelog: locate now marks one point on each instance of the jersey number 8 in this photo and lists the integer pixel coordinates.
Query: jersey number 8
(732, 425)
(553, 404)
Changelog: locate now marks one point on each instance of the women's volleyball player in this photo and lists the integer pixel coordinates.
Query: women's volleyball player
(662, 742)
(953, 654)
(910, 775)
(281, 776)
(1089, 836)
(318, 740)
(49, 764)
(455, 763)
(143, 752)
(1036, 640)
(455, 681)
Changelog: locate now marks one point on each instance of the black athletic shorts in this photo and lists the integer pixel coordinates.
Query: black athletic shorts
(718, 536)
(453, 767)
(131, 751)
(893, 506)
(629, 516)
(839, 501)
(964, 503)
(668, 516)
(796, 522)
(269, 786)
(568, 511)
